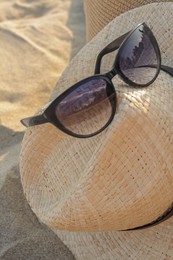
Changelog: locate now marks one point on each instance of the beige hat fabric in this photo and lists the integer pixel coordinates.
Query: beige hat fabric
(119, 179)
(100, 12)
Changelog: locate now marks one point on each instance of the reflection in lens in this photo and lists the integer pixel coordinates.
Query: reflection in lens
(137, 57)
(86, 109)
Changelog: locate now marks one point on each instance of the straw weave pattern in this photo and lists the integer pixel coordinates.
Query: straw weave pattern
(100, 12)
(123, 177)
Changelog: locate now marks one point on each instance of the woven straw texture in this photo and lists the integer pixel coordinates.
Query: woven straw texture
(100, 12)
(123, 177)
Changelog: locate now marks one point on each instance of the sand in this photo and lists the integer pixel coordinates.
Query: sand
(37, 41)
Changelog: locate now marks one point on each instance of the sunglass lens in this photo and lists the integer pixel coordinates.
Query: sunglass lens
(138, 58)
(88, 108)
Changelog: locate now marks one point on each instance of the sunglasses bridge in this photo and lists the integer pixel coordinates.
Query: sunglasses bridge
(112, 73)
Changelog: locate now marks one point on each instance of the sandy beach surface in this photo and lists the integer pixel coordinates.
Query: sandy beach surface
(38, 38)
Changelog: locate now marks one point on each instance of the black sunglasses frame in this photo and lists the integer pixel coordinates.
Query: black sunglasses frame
(121, 42)
(52, 117)
(47, 113)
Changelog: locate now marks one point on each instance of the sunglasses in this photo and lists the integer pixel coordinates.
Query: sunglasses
(88, 107)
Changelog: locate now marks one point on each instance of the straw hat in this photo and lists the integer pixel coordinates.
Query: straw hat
(119, 179)
(101, 12)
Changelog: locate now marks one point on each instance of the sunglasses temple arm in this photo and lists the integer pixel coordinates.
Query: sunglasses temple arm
(167, 69)
(34, 120)
(109, 48)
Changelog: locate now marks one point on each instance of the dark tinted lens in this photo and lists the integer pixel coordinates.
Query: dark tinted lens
(87, 109)
(138, 60)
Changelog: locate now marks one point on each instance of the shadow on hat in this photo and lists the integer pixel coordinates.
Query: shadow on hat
(87, 190)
